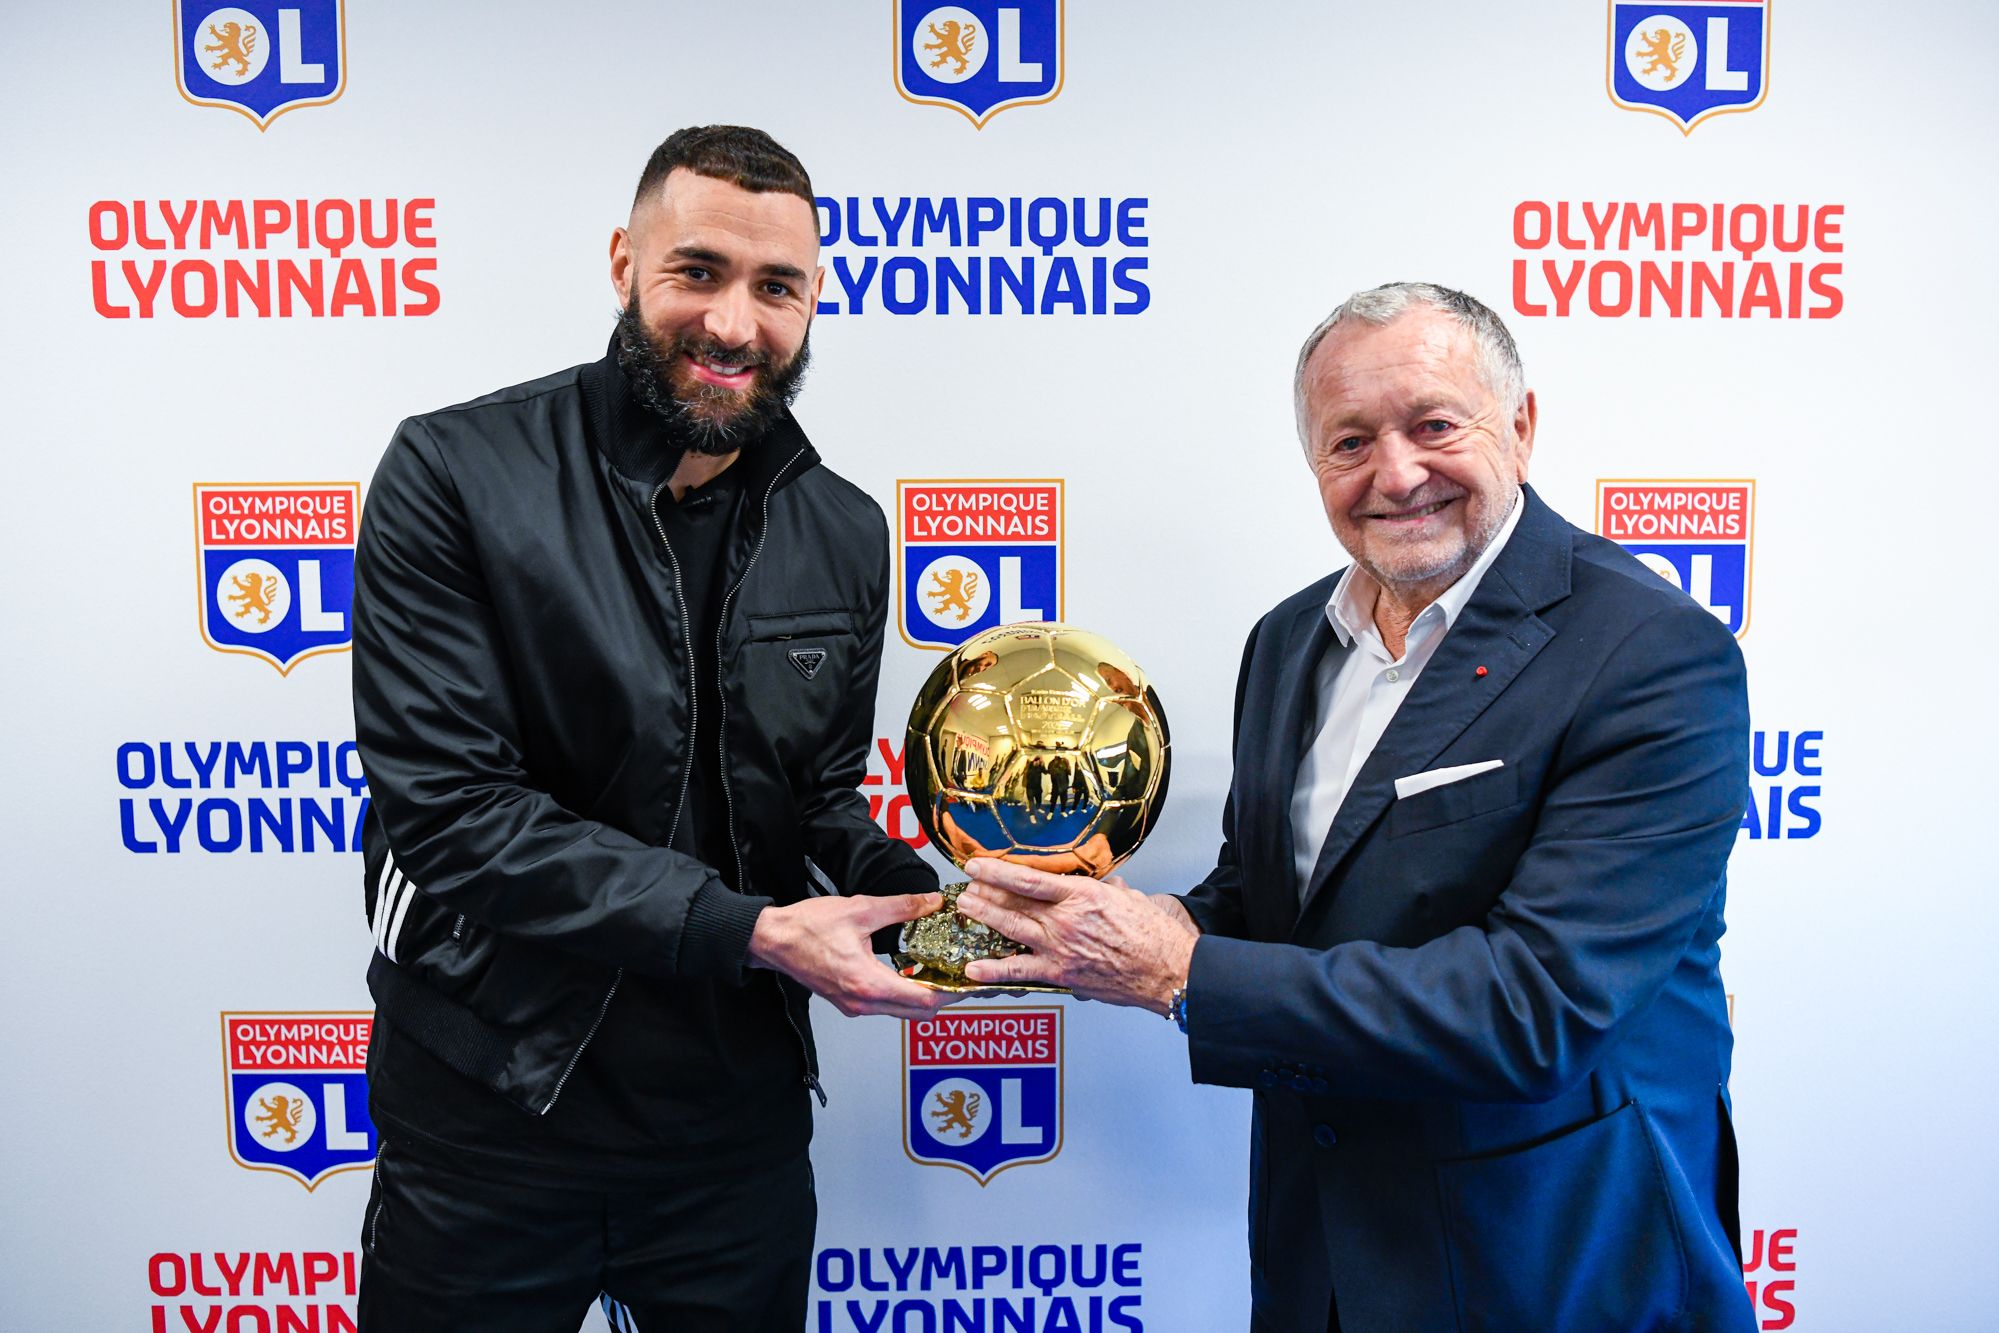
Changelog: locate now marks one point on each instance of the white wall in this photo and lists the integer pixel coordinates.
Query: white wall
(1285, 155)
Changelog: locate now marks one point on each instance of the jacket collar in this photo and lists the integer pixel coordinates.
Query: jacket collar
(1495, 637)
(639, 447)
(1536, 562)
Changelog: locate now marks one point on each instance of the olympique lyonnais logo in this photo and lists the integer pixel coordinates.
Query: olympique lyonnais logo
(978, 58)
(298, 1093)
(288, 1291)
(1678, 259)
(1697, 535)
(1687, 62)
(259, 58)
(982, 1089)
(976, 554)
(275, 562)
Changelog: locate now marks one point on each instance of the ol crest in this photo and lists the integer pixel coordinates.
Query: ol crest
(982, 1089)
(1687, 62)
(978, 58)
(261, 58)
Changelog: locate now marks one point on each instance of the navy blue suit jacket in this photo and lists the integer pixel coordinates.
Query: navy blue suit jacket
(1490, 1049)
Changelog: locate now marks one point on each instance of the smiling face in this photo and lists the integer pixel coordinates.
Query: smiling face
(1417, 460)
(719, 284)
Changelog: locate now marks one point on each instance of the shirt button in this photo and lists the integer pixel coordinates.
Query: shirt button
(1323, 1136)
(1393, 674)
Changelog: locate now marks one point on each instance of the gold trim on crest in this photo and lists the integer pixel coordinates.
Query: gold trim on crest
(1061, 1094)
(1748, 535)
(229, 1093)
(180, 77)
(1686, 128)
(201, 575)
(902, 542)
(979, 122)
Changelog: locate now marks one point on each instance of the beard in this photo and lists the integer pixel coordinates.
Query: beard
(1394, 567)
(706, 418)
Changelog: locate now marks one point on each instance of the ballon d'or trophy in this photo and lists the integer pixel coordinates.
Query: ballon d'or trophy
(1036, 743)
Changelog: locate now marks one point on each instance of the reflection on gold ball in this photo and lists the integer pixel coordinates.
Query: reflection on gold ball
(1041, 743)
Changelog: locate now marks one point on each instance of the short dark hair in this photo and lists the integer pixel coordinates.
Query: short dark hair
(747, 158)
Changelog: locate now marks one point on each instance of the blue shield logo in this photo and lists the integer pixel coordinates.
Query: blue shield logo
(976, 555)
(982, 1089)
(1699, 536)
(275, 564)
(261, 57)
(979, 57)
(298, 1093)
(1687, 62)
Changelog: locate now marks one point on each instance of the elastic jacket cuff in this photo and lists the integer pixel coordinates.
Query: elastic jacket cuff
(715, 940)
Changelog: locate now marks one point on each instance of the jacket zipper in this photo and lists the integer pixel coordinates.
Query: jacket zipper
(673, 828)
(375, 1217)
(722, 754)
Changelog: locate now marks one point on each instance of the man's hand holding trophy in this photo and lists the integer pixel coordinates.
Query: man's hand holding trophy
(1042, 747)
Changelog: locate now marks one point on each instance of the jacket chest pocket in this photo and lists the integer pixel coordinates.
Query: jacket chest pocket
(797, 666)
(1454, 801)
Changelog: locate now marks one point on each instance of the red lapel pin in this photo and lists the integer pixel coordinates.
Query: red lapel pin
(1479, 672)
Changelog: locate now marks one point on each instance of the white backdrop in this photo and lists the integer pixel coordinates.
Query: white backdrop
(1269, 161)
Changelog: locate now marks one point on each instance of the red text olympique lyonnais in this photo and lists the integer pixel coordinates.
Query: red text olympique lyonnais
(292, 1042)
(1669, 512)
(975, 512)
(1751, 276)
(246, 1289)
(210, 262)
(976, 1038)
(1773, 1298)
(888, 802)
(307, 516)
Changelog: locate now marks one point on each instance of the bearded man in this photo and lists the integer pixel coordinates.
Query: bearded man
(617, 634)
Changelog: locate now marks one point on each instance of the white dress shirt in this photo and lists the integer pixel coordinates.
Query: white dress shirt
(1360, 689)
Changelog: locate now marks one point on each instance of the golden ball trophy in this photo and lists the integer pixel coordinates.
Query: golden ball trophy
(1037, 743)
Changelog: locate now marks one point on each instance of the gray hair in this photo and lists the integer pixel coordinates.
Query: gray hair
(1498, 358)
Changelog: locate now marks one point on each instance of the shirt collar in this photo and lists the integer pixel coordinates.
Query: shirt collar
(1351, 607)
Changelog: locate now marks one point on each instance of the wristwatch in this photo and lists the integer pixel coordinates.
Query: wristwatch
(1176, 1009)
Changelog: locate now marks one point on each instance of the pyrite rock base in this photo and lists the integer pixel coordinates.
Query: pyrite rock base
(934, 951)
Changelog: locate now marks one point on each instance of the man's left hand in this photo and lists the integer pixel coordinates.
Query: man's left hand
(1102, 939)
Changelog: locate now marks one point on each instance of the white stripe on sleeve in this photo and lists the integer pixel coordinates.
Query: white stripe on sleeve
(402, 912)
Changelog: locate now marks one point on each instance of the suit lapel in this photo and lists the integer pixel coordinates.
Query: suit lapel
(1498, 630)
(1309, 639)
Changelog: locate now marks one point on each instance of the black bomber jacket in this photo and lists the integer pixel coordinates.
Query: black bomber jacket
(521, 706)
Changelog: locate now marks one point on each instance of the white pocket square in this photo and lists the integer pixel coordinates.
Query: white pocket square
(1440, 777)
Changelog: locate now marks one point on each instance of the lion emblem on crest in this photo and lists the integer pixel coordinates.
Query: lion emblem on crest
(954, 42)
(960, 1111)
(954, 592)
(236, 43)
(255, 592)
(281, 1113)
(1663, 50)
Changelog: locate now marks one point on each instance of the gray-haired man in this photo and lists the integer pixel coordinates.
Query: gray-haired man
(1462, 936)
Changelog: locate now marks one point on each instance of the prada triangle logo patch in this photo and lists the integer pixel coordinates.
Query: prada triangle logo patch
(808, 661)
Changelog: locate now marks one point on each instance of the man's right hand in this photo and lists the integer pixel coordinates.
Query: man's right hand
(822, 943)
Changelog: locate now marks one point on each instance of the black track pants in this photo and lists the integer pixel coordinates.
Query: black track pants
(445, 1251)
